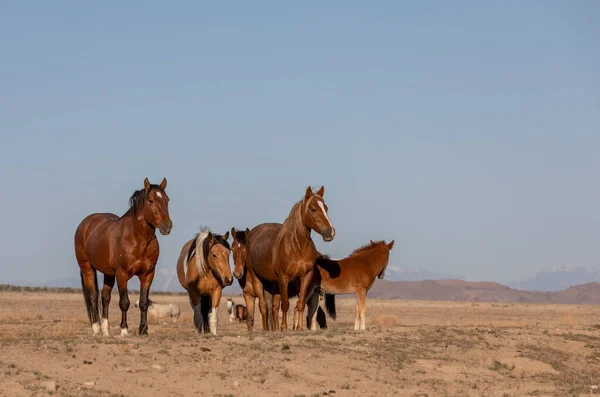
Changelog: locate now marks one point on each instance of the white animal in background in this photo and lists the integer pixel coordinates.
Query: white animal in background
(230, 311)
(159, 310)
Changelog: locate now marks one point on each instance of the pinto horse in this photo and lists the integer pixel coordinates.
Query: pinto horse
(239, 250)
(121, 247)
(353, 274)
(280, 253)
(203, 270)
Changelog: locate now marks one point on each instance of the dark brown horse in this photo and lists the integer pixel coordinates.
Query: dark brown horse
(120, 248)
(203, 270)
(353, 274)
(239, 250)
(279, 253)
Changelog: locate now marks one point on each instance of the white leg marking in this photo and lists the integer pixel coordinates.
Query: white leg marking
(214, 320)
(327, 217)
(357, 318)
(124, 332)
(104, 326)
(96, 328)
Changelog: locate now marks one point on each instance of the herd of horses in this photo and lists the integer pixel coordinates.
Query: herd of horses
(272, 262)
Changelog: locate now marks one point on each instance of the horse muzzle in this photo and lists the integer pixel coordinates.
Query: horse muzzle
(227, 281)
(165, 228)
(328, 235)
(238, 275)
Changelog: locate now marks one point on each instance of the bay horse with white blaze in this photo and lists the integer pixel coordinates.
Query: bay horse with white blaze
(203, 270)
(121, 247)
(353, 274)
(279, 253)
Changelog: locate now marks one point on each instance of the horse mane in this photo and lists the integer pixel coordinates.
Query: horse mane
(201, 240)
(240, 235)
(293, 224)
(367, 247)
(137, 199)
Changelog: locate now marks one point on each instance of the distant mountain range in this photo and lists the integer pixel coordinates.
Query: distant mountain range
(397, 273)
(558, 278)
(466, 291)
(431, 284)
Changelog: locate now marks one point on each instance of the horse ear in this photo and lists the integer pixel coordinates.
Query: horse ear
(321, 191)
(233, 232)
(226, 236)
(308, 192)
(147, 185)
(391, 245)
(163, 184)
(247, 232)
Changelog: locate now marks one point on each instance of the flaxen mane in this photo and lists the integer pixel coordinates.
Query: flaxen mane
(201, 240)
(367, 247)
(293, 225)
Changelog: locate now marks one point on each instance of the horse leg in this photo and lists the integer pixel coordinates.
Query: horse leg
(89, 286)
(195, 304)
(109, 283)
(214, 312)
(301, 303)
(313, 305)
(122, 279)
(250, 310)
(356, 314)
(145, 283)
(285, 300)
(276, 307)
(269, 300)
(262, 303)
(361, 297)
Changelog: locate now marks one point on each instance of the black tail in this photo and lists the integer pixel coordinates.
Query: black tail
(205, 309)
(330, 305)
(86, 294)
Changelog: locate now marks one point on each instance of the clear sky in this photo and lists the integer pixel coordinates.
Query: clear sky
(467, 131)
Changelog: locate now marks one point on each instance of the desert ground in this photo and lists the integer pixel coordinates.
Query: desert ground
(410, 348)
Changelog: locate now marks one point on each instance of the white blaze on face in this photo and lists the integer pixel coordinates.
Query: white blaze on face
(326, 217)
(159, 195)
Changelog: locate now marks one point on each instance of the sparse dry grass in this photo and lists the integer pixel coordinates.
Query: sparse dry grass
(409, 348)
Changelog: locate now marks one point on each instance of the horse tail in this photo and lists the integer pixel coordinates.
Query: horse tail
(86, 294)
(330, 305)
(205, 310)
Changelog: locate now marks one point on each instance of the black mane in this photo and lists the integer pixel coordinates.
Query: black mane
(137, 199)
(240, 235)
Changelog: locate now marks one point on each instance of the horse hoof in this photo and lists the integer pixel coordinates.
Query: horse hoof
(124, 332)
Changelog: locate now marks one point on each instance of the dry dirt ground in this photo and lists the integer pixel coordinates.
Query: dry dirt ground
(410, 348)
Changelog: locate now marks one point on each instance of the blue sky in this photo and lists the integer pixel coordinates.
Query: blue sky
(466, 131)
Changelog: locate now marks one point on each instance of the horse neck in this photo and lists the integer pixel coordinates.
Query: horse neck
(140, 229)
(374, 258)
(298, 233)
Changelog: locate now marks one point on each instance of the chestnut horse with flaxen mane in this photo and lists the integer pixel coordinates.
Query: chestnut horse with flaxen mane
(280, 253)
(120, 248)
(239, 249)
(353, 274)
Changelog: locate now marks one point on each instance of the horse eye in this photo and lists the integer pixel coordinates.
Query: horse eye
(214, 255)
(313, 210)
(151, 201)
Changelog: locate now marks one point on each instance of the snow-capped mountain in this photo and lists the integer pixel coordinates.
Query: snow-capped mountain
(558, 278)
(397, 273)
